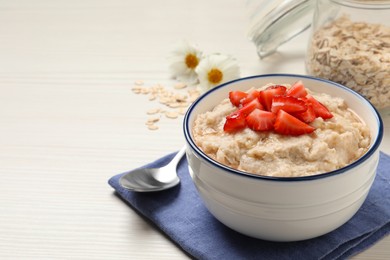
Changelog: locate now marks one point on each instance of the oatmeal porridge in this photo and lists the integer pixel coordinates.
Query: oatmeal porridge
(329, 143)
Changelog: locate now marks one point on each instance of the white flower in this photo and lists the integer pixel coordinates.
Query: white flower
(183, 61)
(216, 69)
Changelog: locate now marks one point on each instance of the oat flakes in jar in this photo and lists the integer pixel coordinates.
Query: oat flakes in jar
(350, 44)
(349, 40)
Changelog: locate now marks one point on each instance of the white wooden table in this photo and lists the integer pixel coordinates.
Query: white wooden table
(69, 120)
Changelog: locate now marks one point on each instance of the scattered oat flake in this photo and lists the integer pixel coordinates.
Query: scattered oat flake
(139, 82)
(153, 119)
(180, 85)
(180, 97)
(136, 90)
(152, 127)
(153, 111)
(172, 114)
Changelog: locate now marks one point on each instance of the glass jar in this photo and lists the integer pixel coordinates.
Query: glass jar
(350, 44)
(349, 41)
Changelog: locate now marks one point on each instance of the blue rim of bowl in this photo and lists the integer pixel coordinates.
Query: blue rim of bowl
(195, 148)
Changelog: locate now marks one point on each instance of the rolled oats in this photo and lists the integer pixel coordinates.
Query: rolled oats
(152, 120)
(152, 127)
(355, 54)
(180, 85)
(153, 111)
(172, 114)
(173, 101)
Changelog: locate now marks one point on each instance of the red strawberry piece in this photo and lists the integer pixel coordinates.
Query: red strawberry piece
(236, 97)
(319, 109)
(287, 124)
(307, 116)
(270, 92)
(234, 122)
(251, 96)
(249, 107)
(297, 90)
(260, 120)
(288, 104)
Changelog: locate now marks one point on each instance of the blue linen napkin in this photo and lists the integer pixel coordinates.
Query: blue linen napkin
(181, 215)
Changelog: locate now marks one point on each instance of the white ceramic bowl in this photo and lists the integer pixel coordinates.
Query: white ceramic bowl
(277, 208)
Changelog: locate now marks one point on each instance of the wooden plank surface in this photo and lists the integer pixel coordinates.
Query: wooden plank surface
(69, 119)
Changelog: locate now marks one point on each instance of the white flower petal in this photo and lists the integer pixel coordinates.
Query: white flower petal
(225, 64)
(178, 66)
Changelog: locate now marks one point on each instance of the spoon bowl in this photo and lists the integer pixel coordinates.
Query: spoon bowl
(153, 179)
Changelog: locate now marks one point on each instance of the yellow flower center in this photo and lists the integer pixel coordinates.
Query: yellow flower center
(191, 61)
(215, 76)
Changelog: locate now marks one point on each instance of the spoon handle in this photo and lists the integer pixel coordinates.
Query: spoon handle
(178, 156)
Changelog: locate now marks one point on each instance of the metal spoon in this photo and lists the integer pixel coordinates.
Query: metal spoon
(153, 179)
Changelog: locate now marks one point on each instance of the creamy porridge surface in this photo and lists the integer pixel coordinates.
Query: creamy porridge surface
(335, 143)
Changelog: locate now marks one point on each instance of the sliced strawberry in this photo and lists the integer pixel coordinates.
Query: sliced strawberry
(297, 90)
(319, 109)
(270, 92)
(307, 116)
(249, 107)
(236, 97)
(250, 96)
(259, 120)
(288, 104)
(234, 122)
(287, 124)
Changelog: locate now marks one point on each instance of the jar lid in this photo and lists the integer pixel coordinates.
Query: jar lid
(273, 23)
